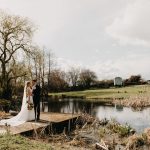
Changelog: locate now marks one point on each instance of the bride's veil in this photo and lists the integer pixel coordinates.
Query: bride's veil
(24, 96)
(22, 115)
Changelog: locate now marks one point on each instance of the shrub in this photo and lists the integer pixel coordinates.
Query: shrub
(122, 130)
(5, 104)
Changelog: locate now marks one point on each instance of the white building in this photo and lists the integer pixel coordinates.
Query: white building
(118, 81)
(148, 81)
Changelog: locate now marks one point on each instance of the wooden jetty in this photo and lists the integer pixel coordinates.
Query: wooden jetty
(57, 121)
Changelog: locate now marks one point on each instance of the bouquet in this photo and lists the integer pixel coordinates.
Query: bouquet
(30, 105)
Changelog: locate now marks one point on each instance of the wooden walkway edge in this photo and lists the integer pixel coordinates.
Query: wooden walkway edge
(46, 120)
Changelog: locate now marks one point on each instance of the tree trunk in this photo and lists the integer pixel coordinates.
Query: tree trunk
(3, 74)
(49, 70)
(6, 90)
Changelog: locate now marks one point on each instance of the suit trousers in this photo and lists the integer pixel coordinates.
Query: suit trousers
(36, 107)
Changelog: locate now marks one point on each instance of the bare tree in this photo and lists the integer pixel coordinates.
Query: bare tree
(15, 36)
(51, 63)
(41, 64)
(87, 78)
(58, 81)
(73, 76)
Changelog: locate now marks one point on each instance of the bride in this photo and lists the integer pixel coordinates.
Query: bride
(26, 113)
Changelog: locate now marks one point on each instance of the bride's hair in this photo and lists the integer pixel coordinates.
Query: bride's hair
(28, 84)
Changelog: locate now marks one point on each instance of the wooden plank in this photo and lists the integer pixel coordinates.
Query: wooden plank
(27, 126)
(57, 117)
(45, 119)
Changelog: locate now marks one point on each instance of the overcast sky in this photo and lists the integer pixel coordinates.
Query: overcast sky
(111, 37)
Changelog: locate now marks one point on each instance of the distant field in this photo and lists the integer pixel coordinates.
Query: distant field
(111, 93)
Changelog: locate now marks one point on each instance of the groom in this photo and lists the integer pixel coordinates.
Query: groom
(36, 99)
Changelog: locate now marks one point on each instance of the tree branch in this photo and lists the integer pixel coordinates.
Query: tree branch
(15, 77)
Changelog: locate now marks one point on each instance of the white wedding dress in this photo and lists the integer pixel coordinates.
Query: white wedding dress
(24, 115)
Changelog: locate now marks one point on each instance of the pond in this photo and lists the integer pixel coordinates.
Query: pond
(139, 120)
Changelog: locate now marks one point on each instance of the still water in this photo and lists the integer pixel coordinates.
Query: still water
(139, 120)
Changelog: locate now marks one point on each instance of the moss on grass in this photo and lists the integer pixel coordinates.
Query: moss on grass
(17, 142)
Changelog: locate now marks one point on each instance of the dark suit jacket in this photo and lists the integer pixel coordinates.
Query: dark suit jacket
(36, 94)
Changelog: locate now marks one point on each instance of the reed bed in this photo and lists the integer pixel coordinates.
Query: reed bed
(137, 101)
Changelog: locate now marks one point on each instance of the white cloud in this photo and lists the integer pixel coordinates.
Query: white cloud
(133, 26)
(124, 66)
(75, 31)
(66, 64)
(108, 69)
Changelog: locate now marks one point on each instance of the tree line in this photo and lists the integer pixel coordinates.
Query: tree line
(21, 59)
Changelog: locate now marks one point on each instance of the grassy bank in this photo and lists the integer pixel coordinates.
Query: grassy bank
(12, 142)
(112, 93)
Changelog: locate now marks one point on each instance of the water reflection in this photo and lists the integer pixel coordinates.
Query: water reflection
(137, 119)
(69, 106)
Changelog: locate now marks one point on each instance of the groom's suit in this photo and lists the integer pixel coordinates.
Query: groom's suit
(36, 100)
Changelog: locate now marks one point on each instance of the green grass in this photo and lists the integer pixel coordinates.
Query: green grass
(17, 142)
(111, 93)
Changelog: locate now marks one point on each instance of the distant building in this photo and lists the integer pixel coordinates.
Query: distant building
(148, 81)
(118, 81)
